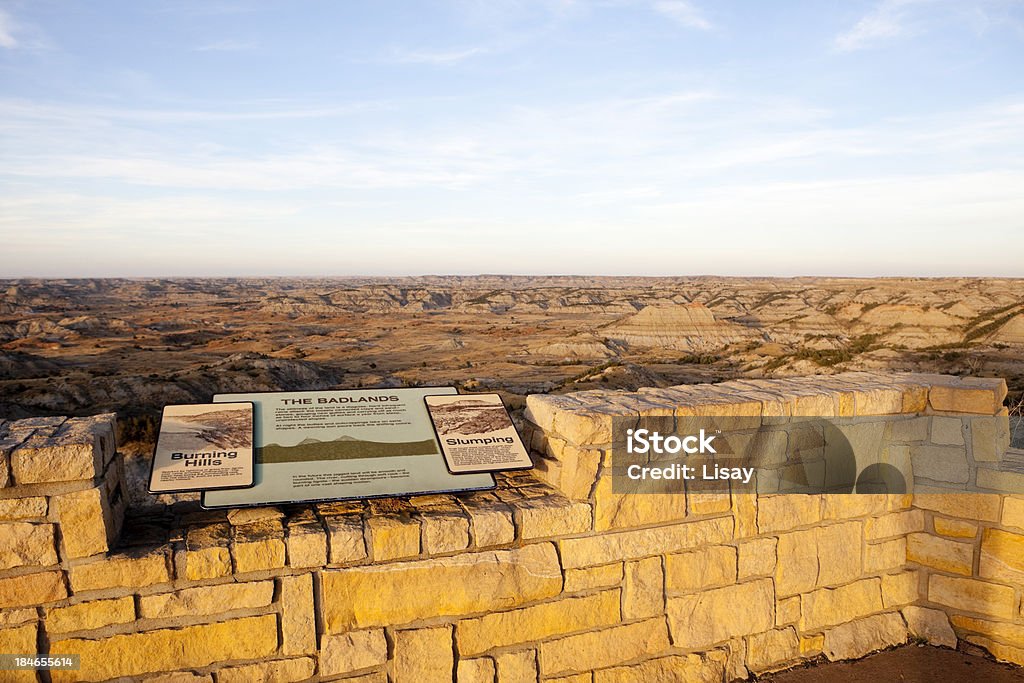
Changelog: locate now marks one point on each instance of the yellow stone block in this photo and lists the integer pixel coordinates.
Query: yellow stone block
(393, 537)
(900, 589)
(983, 507)
(395, 594)
(714, 616)
(1013, 512)
(134, 654)
(545, 518)
(940, 553)
(121, 571)
(480, 670)
(423, 655)
(880, 557)
(207, 600)
(352, 651)
(972, 595)
(832, 606)
(22, 508)
(539, 622)
(630, 545)
(1004, 653)
(787, 511)
(766, 651)
(32, 589)
(298, 620)
(593, 577)
(811, 646)
(787, 611)
(858, 638)
(516, 667)
(600, 649)
(83, 522)
(278, 671)
(19, 641)
(955, 528)
(643, 594)
(893, 524)
(690, 668)
(1002, 556)
(90, 615)
(705, 568)
(23, 544)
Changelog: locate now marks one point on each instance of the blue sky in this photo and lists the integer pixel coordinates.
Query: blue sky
(490, 136)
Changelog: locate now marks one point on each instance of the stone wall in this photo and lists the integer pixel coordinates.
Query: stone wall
(549, 577)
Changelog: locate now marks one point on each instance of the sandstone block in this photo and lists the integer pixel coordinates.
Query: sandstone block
(930, 625)
(880, 557)
(258, 546)
(940, 553)
(84, 522)
(480, 670)
(956, 528)
(879, 401)
(90, 615)
(359, 597)
(207, 600)
(643, 594)
(1002, 556)
(206, 552)
(69, 455)
(1004, 653)
(424, 655)
(947, 431)
(298, 620)
(821, 556)
(278, 671)
(1010, 633)
(622, 510)
(1013, 512)
(770, 649)
(19, 641)
(712, 616)
(990, 437)
(950, 399)
(900, 589)
(491, 525)
(971, 595)
(16, 617)
(593, 577)
(811, 646)
(26, 545)
(539, 622)
(757, 558)
(999, 480)
(982, 507)
(22, 508)
(307, 546)
(600, 649)
(940, 463)
(858, 638)
(635, 544)
(691, 668)
(352, 651)
(32, 589)
(705, 568)
(543, 518)
(168, 649)
(787, 610)
(832, 606)
(122, 571)
(347, 542)
(516, 667)
(894, 524)
(914, 429)
(393, 537)
(789, 511)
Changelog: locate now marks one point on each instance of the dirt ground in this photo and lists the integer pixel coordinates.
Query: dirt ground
(911, 664)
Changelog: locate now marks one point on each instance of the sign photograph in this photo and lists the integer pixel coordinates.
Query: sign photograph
(476, 433)
(202, 447)
(330, 445)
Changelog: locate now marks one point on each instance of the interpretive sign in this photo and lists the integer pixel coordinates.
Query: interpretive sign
(476, 433)
(330, 445)
(202, 447)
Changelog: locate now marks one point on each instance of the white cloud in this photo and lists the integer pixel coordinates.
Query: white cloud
(889, 19)
(227, 45)
(683, 13)
(438, 57)
(7, 30)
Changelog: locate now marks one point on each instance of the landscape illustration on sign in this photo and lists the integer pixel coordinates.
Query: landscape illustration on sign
(218, 428)
(342, 448)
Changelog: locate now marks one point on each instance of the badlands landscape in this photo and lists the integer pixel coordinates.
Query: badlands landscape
(132, 345)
